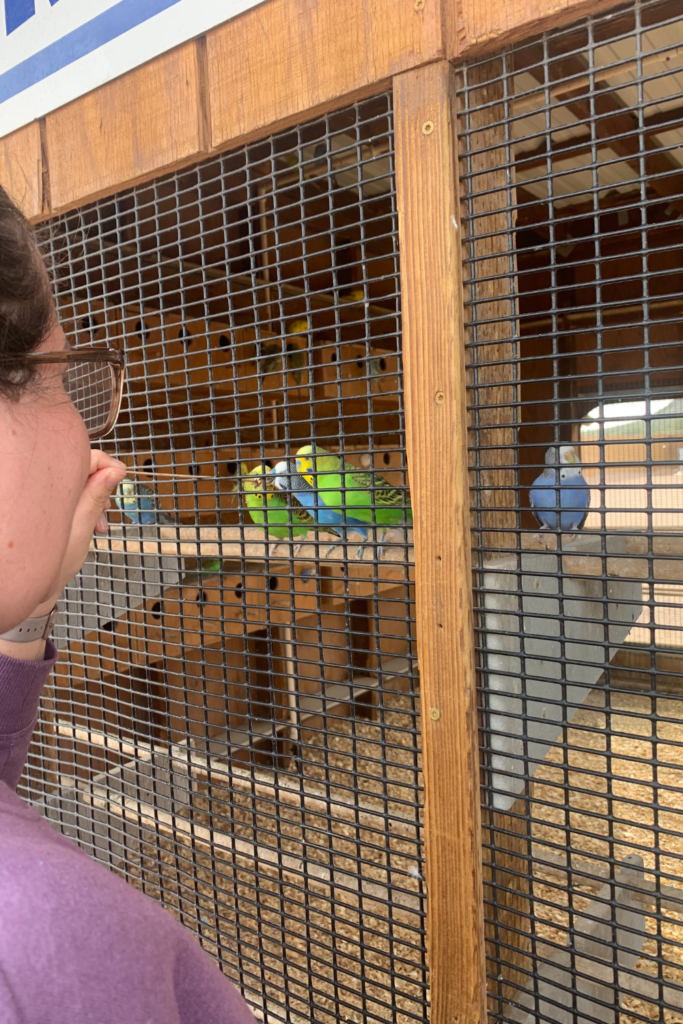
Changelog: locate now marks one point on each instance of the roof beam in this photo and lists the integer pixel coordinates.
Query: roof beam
(614, 121)
(661, 121)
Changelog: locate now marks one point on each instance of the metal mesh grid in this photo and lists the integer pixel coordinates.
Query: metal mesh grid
(91, 387)
(233, 725)
(572, 203)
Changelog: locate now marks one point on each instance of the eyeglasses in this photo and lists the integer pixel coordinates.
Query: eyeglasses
(93, 380)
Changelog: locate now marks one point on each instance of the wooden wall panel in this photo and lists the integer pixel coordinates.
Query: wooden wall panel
(282, 61)
(277, 64)
(21, 169)
(436, 439)
(133, 128)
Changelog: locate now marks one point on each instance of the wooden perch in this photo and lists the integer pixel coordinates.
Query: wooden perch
(235, 543)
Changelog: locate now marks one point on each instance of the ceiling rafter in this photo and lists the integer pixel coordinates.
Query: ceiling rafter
(613, 121)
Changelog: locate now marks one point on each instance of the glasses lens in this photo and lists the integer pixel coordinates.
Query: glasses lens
(92, 389)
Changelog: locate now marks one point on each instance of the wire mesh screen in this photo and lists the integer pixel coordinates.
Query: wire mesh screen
(572, 200)
(233, 723)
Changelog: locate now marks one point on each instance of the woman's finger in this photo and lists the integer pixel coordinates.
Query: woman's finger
(100, 460)
(97, 493)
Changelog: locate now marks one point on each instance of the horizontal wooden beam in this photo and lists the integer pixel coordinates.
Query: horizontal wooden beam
(126, 131)
(289, 57)
(479, 27)
(272, 67)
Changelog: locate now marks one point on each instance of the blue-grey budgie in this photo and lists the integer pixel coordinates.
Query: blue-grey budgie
(571, 489)
(139, 503)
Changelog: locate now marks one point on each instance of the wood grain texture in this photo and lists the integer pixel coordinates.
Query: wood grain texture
(436, 438)
(21, 169)
(131, 129)
(287, 59)
(481, 26)
(492, 370)
(493, 350)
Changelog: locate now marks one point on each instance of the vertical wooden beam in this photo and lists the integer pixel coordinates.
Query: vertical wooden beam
(436, 437)
(493, 355)
(492, 372)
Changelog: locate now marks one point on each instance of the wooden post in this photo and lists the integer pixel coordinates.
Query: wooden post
(492, 369)
(436, 439)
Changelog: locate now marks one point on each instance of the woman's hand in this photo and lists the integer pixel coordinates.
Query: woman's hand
(90, 516)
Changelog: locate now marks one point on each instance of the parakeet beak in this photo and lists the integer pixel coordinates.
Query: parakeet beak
(570, 456)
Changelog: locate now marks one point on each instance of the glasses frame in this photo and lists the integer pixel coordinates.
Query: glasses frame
(87, 354)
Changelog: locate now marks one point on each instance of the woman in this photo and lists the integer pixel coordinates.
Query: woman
(76, 943)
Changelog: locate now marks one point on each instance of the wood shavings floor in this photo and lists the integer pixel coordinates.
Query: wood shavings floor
(319, 913)
(318, 917)
(625, 797)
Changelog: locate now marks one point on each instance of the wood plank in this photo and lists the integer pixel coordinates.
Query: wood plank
(21, 169)
(248, 542)
(493, 352)
(134, 128)
(480, 26)
(287, 60)
(436, 438)
(492, 372)
(273, 66)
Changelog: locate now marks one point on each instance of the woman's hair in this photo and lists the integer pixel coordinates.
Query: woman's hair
(27, 309)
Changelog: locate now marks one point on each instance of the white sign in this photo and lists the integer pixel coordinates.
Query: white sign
(52, 51)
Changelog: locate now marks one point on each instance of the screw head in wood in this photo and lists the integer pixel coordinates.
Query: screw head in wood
(434, 714)
(428, 128)
(439, 398)
(419, 4)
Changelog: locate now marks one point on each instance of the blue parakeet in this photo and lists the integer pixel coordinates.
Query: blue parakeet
(571, 489)
(287, 478)
(349, 496)
(139, 503)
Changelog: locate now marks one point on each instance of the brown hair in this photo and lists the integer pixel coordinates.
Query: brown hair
(27, 309)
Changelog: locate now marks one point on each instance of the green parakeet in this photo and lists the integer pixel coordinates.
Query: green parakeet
(297, 357)
(353, 495)
(208, 567)
(268, 508)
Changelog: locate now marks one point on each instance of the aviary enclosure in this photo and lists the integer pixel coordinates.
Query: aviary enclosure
(438, 281)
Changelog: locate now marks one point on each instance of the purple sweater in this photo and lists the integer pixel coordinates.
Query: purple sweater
(78, 945)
